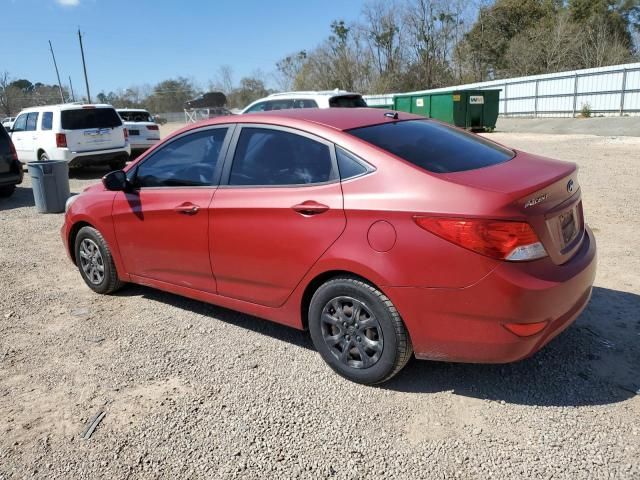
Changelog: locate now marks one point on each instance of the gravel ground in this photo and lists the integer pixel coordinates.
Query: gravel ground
(195, 391)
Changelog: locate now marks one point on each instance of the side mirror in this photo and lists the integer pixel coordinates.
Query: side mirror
(116, 181)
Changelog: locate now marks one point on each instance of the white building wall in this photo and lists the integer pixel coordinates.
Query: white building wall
(612, 90)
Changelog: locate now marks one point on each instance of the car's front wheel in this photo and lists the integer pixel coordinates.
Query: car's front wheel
(357, 331)
(95, 261)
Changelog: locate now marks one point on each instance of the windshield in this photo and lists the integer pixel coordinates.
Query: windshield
(135, 116)
(82, 118)
(433, 146)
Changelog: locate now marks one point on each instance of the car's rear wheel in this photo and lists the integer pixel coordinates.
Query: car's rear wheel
(95, 261)
(7, 191)
(43, 157)
(357, 331)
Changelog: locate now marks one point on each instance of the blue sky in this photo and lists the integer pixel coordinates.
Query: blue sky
(133, 42)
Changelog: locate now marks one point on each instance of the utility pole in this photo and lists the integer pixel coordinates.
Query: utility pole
(57, 73)
(73, 96)
(84, 66)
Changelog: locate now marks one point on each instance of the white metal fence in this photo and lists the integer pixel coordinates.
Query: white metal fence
(613, 90)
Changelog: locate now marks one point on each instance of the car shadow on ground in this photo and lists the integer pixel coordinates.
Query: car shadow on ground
(22, 197)
(264, 327)
(594, 362)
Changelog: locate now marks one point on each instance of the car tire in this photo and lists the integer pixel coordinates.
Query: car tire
(357, 331)
(43, 157)
(95, 261)
(7, 191)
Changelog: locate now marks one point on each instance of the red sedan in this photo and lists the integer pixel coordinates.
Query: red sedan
(384, 234)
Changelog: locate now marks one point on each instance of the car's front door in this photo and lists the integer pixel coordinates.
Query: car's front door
(162, 226)
(278, 209)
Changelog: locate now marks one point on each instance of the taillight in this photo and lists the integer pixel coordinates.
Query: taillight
(12, 149)
(61, 140)
(126, 134)
(152, 127)
(504, 240)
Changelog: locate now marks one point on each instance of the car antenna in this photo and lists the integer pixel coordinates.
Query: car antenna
(393, 115)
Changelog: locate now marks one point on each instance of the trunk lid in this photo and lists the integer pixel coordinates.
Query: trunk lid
(545, 192)
(92, 128)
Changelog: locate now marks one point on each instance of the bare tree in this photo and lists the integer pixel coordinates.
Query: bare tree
(288, 69)
(382, 30)
(600, 48)
(6, 93)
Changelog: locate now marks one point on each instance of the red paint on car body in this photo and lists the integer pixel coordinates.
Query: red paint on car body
(248, 250)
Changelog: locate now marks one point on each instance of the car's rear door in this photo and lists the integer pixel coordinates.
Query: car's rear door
(278, 209)
(162, 227)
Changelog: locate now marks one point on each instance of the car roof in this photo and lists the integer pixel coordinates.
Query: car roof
(310, 93)
(335, 118)
(65, 106)
(132, 110)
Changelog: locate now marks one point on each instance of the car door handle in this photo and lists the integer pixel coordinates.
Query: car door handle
(187, 209)
(310, 207)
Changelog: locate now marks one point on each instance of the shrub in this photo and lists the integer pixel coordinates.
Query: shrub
(585, 112)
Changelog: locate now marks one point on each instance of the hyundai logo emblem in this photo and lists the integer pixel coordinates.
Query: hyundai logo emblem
(570, 186)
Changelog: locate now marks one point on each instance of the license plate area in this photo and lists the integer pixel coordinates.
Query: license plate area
(568, 227)
(134, 132)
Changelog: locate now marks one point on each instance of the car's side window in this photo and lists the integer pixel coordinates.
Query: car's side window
(32, 121)
(189, 161)
(47, 120)
(258, 107)
(270, 157)
(349, 165)
(20, 124)
(303, 103)
(279, 104)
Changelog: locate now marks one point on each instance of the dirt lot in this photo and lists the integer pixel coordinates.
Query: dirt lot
(195, 391)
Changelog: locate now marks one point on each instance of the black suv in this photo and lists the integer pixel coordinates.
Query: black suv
(10, 166)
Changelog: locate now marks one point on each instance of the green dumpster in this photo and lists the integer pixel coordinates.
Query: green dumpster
(472, 109)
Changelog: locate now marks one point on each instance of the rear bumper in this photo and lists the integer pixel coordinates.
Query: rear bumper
(467, 324)
(102, 158)
(141, 143)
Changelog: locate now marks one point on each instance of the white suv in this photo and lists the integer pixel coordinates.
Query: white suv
(143, 130)
(324, 99)
(81, 134)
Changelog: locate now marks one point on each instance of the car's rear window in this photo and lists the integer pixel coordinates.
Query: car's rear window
(135, 116)
(79, 119)
(347, 101)
(433, 146)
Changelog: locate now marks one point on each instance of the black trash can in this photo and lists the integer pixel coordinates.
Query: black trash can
(50, 184)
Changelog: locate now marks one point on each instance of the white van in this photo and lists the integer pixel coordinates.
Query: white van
(81, 134)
